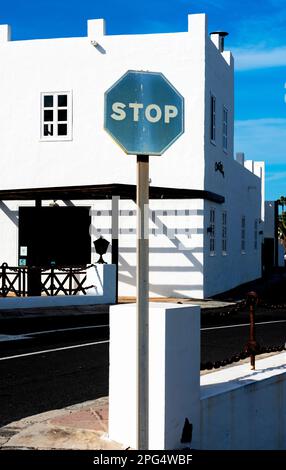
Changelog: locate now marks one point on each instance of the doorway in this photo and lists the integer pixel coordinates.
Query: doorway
(53, 237)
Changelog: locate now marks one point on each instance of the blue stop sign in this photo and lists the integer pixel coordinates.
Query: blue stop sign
(144, 113)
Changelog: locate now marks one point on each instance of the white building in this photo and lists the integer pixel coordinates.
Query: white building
(51, 134)
(273, 249)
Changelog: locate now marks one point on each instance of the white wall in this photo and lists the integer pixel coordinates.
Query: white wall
(245, 409)
(242, 187)
(102, 277)
(258, 169)
(174, 374)
(9, 231)
(242, 198)
(92, 157)
(176, 246)
(269, 227)
(269, 230)
(281, 253)
(233, 408)
(176, 243)
(74, 64)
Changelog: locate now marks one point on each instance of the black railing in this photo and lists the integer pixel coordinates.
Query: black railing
(65, 281)
(14, 281)
(252, 348)
(209, 365)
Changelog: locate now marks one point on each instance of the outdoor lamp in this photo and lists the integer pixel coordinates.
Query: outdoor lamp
(101, 246)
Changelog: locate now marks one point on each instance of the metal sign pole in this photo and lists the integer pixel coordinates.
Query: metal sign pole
(142, 295)
(144, 114)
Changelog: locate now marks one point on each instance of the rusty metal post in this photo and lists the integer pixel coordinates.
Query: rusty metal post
(251, 346)
(252, 335)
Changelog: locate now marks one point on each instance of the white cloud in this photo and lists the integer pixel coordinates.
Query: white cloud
(276, 176)
(256, 58)
(262, 139)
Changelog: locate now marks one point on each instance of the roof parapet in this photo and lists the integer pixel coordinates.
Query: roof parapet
(5, 33)
(95, 28)
(198, 24)
(240, 158)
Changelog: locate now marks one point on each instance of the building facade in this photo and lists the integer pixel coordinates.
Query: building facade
(273, 253)
(51, 134)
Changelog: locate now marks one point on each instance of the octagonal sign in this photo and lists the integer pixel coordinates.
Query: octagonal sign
(144, 113)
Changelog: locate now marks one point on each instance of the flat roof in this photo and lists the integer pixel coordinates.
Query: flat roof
(105, 191)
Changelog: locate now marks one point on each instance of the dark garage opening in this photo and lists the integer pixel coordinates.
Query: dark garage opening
(54, 236)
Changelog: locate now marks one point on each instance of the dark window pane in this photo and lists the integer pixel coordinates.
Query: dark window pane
(62, 100)
(62, 129)
(48, 129)
(48, 101)
(48, 115)
(62, 115)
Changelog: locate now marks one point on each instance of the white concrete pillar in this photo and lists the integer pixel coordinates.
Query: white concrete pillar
(5, 33)
(174, 374)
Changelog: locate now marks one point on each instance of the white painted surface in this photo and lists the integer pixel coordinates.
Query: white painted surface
(8, 338)
(95, 29)
(103, 279)
(5, 33)
(174, 351)
(224, 271)
(102, 276)
(242, 325)
(180, 265)
(281, 253)
(175, 249)
(269, 231)
(51, 301)
(242, 188)
(47, 351)
(245, 409)
(88, 71)
(269, 228)
(5, 338)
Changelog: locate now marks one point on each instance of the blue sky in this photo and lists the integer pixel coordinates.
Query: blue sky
(257, 39)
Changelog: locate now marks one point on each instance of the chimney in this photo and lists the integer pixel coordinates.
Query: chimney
(217, 38)
(240, 158)
(5, 33)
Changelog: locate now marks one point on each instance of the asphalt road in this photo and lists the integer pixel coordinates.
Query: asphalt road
(54, 363)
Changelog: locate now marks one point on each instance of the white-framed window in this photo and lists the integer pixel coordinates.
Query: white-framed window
(225, 129)
(56, 116)
(213, 119)
(224, 233)
(212, 231)
(255, 234)
(243, 234)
